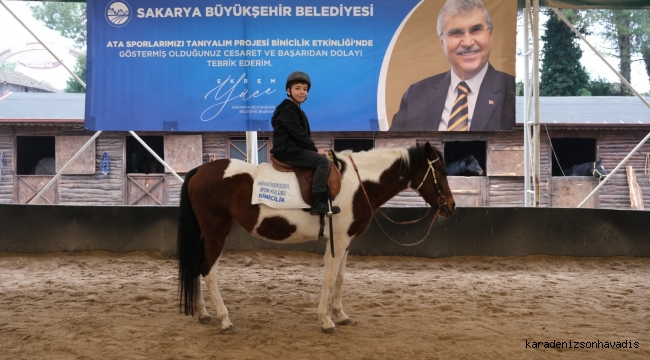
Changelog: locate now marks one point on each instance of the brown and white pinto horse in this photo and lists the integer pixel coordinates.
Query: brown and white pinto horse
(217, 193)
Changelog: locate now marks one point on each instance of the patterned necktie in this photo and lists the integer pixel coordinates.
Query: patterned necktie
(459, 113)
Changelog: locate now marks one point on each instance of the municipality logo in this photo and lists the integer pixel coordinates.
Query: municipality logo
(118, 13)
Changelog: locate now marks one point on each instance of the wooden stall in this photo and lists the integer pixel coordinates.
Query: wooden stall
(117, 170)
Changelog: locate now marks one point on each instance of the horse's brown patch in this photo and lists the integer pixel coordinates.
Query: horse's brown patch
(276, 228)
(378, 193)
(382, 191)
(212, 196)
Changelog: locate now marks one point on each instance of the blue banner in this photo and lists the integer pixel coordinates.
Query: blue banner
(177, 65)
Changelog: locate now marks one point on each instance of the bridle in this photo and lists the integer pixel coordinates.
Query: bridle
(433, 220)
(600, 175)
(441, 196)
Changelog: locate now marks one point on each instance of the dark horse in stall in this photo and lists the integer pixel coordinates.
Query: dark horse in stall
(592, 168)
(218, 193)
(149, 165)
(44, 166)
(468, 166)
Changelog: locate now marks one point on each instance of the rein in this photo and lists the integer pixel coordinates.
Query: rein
(356, 170)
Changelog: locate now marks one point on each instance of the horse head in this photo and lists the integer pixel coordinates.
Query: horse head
(599, 171)
(431, 175)
(473, 166)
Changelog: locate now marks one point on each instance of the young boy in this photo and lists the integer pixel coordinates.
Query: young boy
(292, 141)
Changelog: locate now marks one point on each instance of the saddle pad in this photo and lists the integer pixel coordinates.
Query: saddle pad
(276, 189)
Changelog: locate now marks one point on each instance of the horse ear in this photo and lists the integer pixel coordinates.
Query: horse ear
(599, 160)
(427, 149)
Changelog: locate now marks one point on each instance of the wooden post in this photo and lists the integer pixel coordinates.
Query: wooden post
(636, 198)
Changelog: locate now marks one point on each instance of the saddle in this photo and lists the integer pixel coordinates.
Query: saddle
(306, 178)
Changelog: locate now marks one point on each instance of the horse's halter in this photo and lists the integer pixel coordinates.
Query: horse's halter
(435, 181)
(600, 175)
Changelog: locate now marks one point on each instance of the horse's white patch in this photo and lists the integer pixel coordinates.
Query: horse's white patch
(307, 226)
(236, 167)
(373, 163)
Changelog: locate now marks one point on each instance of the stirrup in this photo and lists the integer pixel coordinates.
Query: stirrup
(319, 209)
(335, 210)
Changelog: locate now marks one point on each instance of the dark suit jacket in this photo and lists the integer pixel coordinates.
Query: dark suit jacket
(422, 104)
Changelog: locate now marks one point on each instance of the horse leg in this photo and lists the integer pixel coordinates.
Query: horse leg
(199, 303)
(222, 311)
(337, 305)
(215, 229)
(332, 266)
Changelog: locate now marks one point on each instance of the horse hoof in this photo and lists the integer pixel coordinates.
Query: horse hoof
(347, 321)
(332, 330)
(205, 320)
(229, 330)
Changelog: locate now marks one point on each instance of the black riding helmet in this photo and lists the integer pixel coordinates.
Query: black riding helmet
(298, 77)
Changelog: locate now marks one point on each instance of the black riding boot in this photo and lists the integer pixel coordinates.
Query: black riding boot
(319, 205)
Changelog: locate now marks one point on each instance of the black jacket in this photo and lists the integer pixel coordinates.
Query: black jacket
(291, 132)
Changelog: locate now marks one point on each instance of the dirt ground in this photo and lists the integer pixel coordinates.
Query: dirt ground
(100, 305)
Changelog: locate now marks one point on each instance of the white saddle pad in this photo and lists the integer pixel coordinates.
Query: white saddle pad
(276, 189)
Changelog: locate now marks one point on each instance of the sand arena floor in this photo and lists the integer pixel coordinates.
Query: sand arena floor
(100, 305)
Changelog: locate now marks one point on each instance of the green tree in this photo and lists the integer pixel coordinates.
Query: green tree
(69, 19)
(561, 73)
(72, 86)
(519, 88)
(627, 31)
(8, 66)
(643, 40)
(600, 87)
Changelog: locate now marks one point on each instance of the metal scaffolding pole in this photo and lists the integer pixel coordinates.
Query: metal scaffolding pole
(527, 191)
(536, 147)
(531, 101)
(251, 147)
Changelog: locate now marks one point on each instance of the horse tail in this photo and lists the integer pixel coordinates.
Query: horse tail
(189, 248)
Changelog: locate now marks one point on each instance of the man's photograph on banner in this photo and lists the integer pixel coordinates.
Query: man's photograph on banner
(194, 66)
(460, 76)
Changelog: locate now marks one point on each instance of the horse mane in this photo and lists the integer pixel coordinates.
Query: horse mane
(408, 157)
(375, 161)
(393, 153)
(419, 156)
(583, 169)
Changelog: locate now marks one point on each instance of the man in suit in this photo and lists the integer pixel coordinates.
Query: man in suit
(485, 99)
